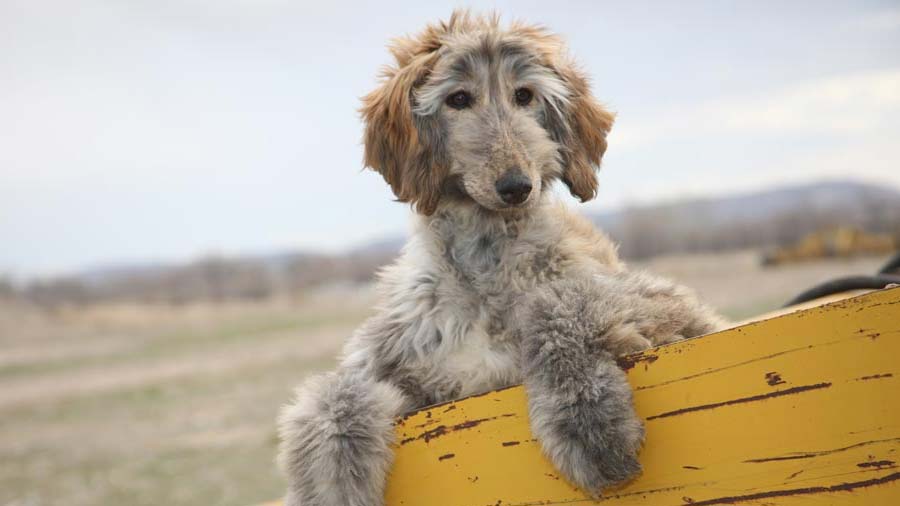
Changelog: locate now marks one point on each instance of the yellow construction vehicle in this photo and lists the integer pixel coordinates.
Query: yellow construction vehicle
(841, 242)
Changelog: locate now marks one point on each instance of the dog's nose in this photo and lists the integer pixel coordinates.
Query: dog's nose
(514, 186)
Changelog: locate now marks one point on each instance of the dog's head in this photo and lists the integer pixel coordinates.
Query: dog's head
(492, 115)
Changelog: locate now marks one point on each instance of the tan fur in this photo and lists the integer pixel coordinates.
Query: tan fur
(591, 124)
(391, 140)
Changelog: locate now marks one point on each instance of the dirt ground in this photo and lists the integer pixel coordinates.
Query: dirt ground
(144, 405)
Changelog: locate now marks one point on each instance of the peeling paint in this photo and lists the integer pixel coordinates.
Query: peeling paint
(629, 361)
(875, 376)
(731, 366)
(878, 464)
(773, 378)
(841, 487)
(742, 400)
(794, 475)
(809, 455)
(442, 430)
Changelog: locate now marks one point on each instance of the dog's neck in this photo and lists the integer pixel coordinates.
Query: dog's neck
(473, 240)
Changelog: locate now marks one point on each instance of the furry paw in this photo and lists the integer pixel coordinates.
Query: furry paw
(579, 400)
(336, 441)
(593, 438)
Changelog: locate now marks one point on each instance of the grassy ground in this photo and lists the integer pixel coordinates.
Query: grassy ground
(148, 406)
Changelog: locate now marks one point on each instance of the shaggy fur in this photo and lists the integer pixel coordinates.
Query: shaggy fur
(487, 294)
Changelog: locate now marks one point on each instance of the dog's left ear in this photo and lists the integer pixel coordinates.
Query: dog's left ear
(585, 139)
(394, 144)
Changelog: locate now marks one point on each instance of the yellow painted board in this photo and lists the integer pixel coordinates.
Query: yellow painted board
(799, 409)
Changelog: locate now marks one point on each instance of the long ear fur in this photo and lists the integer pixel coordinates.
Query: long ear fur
(589, 123)
(397, 145)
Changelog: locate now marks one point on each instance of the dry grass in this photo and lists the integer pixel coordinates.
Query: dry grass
(124, 405)
(154, 405)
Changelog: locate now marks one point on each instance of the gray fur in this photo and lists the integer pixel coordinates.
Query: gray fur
(485, 295)
(336, 440)
(479, 301)
(579, 400)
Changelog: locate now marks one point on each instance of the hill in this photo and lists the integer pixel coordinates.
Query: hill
(751, 220)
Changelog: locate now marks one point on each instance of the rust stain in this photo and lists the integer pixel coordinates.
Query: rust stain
(447, 456)
(450, 408)
(773, 378)
(878, 464)
(442, 430)
(511, 443)
(742, 400)
(875, 376)
(629, 361)
(809, 455)
(841, 487)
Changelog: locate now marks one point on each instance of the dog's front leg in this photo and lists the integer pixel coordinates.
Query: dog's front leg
(336, 440)
(580, 403)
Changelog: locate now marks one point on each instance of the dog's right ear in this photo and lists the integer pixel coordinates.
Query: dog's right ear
(394, 146)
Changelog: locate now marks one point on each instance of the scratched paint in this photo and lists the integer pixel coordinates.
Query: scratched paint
(799, 409)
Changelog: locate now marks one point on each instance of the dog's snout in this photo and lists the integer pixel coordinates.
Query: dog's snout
(514, 186)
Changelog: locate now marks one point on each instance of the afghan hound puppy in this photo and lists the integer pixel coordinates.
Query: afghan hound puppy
(498, 284)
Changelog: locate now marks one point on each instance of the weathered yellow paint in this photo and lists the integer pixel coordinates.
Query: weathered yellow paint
(799, 409)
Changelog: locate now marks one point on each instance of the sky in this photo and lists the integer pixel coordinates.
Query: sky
(148, 131)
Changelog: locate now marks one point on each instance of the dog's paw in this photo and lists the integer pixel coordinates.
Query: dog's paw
(593, 442)
(603, 457)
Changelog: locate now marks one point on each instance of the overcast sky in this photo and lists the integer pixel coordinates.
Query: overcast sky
(162, 130)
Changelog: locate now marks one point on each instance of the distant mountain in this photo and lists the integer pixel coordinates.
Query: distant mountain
(755, 219)
(752, 220)
(762, 205)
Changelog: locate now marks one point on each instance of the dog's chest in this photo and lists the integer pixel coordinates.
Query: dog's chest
(480, 362)
(475, 306)
(478, 351)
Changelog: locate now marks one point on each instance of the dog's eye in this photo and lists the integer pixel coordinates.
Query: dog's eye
(523, 96)
(459, 100)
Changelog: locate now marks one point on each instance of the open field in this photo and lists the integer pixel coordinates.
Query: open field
(155, 405)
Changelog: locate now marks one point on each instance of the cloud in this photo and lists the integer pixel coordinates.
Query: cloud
(884, 20)
(855, 104)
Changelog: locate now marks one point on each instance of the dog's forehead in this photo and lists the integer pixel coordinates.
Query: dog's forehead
(489, 64)
(490, 54)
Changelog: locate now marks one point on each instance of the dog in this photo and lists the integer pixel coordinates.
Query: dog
(499, 283)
